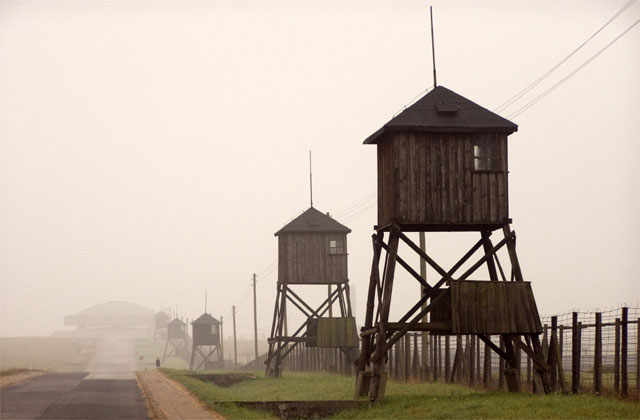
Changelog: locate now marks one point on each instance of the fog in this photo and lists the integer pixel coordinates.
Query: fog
(149, 150)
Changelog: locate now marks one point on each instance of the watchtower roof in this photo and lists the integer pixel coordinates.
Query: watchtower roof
(443, 110)
(205, 319)
(176, 321)
(313, 221)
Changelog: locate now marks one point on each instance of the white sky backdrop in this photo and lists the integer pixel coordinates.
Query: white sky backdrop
(150, 149)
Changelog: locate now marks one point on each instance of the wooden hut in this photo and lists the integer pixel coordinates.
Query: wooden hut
(206, 343)
(312, 251)
(443, 167)
(176, 345)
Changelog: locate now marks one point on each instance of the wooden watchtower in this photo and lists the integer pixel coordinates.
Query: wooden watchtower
(176, 340)
(312, 252)
(443, 167)
(160, 320)
(206, 343)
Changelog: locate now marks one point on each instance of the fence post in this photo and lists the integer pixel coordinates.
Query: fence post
(501, 366)
(545, 341)
(472, 360)
(416, 357)
(447, 357)
(616, 360)
(638, 355)
(407, 356)
(575, 355)
(486, 380)
(434, 363)
(597, 356)
(623, 352)
(551, 357)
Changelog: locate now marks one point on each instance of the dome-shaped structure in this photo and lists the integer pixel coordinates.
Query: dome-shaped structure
(116, 313)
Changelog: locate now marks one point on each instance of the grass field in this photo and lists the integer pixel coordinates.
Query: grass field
(405, 401)
(149, 350)
(52, 354)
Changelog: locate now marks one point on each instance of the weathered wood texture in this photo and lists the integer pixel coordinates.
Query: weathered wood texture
(206, 335)
(429, 178)
(305, 259)
(332, 332)
(489, 307)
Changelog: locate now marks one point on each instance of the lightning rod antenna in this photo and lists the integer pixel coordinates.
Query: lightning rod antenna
(433, 49)
(205, 301)
(310, 180)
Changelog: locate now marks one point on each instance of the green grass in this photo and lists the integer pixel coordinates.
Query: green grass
(149, 350)
(405, 401)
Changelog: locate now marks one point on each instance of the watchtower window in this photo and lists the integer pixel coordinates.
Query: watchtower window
(214, 329)
(486, 156)
(336, 245)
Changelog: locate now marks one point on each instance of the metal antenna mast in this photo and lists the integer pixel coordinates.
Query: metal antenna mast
(433, 49)
(310, 180)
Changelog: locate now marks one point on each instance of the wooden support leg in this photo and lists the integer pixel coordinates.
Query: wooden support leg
(363, 377)
(511, 373)
(378, 376)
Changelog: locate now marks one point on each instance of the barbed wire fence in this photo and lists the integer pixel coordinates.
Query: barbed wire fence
(600, 354)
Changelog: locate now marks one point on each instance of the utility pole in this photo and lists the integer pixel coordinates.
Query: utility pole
(235, 347)
(221, 338)
(255, 321)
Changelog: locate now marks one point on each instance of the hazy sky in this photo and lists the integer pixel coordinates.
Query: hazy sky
(150, 149)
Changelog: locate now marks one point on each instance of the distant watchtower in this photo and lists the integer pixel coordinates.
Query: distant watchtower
(160, 320)
(443, 167)
(312, 251)
(206, 343)
(177, 339)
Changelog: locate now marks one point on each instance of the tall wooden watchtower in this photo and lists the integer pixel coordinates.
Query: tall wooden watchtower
(312, 252)
(206, 343)
(443, 167)
(176, 339)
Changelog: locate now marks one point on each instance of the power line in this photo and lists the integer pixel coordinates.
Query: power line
(535, 83)
(567, 77)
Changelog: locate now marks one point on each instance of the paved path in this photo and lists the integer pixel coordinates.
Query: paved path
(108, 391)
(72, 396)
(170, 400)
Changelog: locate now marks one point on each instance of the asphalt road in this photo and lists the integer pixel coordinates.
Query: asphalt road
(108, 391)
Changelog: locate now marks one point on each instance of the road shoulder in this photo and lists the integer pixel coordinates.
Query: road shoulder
(169, 400)
(6, 380)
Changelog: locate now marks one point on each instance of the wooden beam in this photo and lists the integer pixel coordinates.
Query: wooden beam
(411, 271)
(534, 356)
(492, 346)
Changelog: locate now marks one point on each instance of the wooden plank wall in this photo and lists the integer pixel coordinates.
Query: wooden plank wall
(492, 307)
(429, 178)
(303, 258)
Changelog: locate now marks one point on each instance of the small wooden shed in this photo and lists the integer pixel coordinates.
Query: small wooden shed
(443, 166)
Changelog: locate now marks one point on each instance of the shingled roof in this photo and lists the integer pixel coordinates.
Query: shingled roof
(443, 110)
(312, 221)
(206, 319)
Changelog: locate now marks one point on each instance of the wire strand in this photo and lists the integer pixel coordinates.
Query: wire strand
(535, 83)
(567, 77)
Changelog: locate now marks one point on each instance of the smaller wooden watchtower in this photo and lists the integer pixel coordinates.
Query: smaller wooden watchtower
(160, 320)
(312, 251)
(176, 339)
(206, 343)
